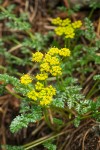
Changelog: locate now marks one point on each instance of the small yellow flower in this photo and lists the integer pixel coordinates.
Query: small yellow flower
(37, 57)
(42, 76)
(26, 79)
(64, 52)
(46, 100)
(53, 51)
(44, 67)
(65, 22)
(57, 21)
(54, 61)
(77, 24)
(33, 95)
(65, 27)
(47, 91)
(52, 90)
(42, 93)
(69, 32)
(39, 86)
(59, 30)
(56, 71)
(47, 58)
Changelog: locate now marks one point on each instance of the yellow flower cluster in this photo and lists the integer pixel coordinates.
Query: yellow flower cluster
(39, 86)
(44, 67)
(46, 95)
(65, 27)
(57, 21)
(64, 52)
(77, 24)
(49, 64)
(26, 79)
(37, 57)
(65, 22)
(53, 51)
(43, 95)
(42, 76)
(56, 71)
(69, 32)
(33, 95)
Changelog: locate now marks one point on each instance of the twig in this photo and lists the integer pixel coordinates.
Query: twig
(83, 147)
(35, 11)
(68, 6)
(98, 28)
(14, 48)
(37, 129)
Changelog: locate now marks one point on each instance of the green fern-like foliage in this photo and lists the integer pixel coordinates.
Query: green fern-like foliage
(95, 108)
(97, 77)
(75, 100)
(89, 32)
(18, 87)
(9, 147)
(9, 79)
(37, 41)
(12, 59)
(49, 145)
(31, 115)
(14, 22)
(77, 121)
(94, 4)
(59, 100)
(28, 114)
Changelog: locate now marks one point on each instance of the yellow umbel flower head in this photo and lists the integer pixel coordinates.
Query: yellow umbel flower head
(53, 51)
(46, 100)
(65, 22)
(77, 24)
(60, 30)
(44, 67)
(46, 95)
(56, 71)
(69, 32)
(51, 90)
(39, 86)
(37, 57)
(26, 79)
(42, 76)
(65, 27)
(54, 61)
(51, 60)
(47, 57)
(33, 95)
(57, 21)
(64, 52)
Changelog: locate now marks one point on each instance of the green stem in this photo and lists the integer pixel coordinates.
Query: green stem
(68, 45)
(59, 84)
(92, 90)
(66, 42)
(45, 83)
(3, 68)
(91, 13)
(47, 120)
(37, 141)
(95, 91)
(14, 94)
(62, 80)
(46, 138)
